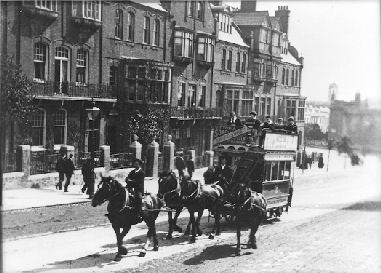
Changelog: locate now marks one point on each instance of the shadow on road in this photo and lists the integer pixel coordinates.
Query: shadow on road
(214, 252)
(365, 206)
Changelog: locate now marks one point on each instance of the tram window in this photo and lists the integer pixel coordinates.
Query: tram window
(287, 170)
(282, 170)
(274, 170)
(267, 171)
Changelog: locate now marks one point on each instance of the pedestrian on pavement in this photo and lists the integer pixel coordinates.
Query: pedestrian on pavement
(60, 168)
(190, 166)
(180, 164)
(88, 177)
(69, 170)
(135, 185)
(291, 126)
(238, 124)
(320, 162)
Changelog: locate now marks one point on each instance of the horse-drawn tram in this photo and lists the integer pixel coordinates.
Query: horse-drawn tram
(264, 163)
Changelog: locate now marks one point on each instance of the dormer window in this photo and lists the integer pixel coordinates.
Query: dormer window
(225, 23)
(46, 4)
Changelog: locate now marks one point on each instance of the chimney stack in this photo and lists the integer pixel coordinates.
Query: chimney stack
(248, 6)
(283, 14)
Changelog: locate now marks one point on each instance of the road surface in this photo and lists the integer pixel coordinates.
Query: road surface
(333, 226)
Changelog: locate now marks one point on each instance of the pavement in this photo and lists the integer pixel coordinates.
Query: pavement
(26, 198)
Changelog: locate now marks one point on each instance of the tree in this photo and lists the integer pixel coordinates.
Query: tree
(16, 102)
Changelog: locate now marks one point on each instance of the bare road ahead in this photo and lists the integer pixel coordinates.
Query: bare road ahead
(333, 226)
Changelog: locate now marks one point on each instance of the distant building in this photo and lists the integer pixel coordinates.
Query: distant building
(332, 92)
(357, 121)
(317, 113)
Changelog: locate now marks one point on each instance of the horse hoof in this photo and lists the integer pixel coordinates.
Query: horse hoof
(155, 248)
(169, 237)
(122, 250)
(211, 236)
(118, 257)
(192, 241)
(142, 254)
(186, 233)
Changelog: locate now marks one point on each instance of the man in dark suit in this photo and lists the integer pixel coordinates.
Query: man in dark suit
(252, 122)
(60, 168)
(69, 170)
(224, 171)
(268, 124)
(135, 184)
(180, 164)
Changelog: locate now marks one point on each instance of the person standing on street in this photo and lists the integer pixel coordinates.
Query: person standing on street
(180, 164)
(190, 166)
(135, 185)
(60, 168)
(88, 177)
(69, 170)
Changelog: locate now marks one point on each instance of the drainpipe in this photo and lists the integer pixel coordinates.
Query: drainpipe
(100, 48)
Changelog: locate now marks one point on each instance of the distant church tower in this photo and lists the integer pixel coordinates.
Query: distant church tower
(332, 92)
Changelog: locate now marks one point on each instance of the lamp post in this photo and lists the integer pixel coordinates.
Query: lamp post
(92, 114)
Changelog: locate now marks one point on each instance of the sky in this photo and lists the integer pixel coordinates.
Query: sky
(340, 42)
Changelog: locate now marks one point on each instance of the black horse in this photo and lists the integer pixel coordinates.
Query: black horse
(122, 215)
(169, 191)
(250, 207)
(198, 197)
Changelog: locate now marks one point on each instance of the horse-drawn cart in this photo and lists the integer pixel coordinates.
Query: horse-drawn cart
(265, 164)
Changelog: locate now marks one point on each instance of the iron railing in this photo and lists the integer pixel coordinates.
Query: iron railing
(43, 162)
(71, 89)
(121, 160)
(197, 113)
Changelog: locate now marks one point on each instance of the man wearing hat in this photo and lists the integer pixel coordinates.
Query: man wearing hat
(180, 164)
(291, 126)
(268, 124)
(279, 124)
(135, 184)
(252, 122)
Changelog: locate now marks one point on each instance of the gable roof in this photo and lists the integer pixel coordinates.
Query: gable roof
(234, 38)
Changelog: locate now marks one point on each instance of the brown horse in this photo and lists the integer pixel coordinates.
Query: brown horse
(250, 207)
(198, 197)
(122, 215)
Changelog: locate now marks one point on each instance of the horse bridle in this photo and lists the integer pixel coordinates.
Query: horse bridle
(176, 190)
(194, 193)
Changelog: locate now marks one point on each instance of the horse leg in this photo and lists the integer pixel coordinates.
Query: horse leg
(119, 242)
(257, 219)
(198, 220)
(121, 249)
(217, 222)
(193, 223)
(154, 238)
(175, 226)
(187, 230)
(238, 250)
(170, 226)
(148, 240)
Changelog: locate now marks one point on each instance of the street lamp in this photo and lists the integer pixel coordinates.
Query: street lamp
(92, 114)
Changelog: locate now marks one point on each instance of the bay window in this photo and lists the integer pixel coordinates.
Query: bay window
(40, 62)
(247, 103)
(290, 108)
(87, 9)
(183, 44)
(82, 66)
(301, 105)
(205, 51)
(46, 4)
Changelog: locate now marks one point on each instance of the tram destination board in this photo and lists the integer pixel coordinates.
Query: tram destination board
(280, 142)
